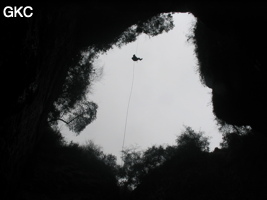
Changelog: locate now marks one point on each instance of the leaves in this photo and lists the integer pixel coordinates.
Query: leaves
(192, 140)
(157, 24)
(81, 116)
(139, 165)
(154, 26)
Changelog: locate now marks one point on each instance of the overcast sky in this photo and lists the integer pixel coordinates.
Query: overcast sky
(167, 94)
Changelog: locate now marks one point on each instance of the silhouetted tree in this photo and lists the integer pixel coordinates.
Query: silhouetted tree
(107, 159)
(57, 170)
(152, 27)
(176, 170)
(155, 156)
(138, 164)
(131, 168)
(191, 140)
(141, 166)
(236, 171)
(82, 115)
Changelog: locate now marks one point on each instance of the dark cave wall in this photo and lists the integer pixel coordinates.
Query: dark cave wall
(231, 53)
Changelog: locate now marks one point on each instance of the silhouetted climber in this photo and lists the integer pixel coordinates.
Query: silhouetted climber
(134, 58)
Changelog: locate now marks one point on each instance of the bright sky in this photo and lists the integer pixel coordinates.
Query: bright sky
(167, 94)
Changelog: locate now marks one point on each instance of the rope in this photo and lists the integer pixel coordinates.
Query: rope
(126, 121)
(129, 100)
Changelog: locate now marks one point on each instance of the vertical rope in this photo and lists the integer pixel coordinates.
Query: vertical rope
(129, 100)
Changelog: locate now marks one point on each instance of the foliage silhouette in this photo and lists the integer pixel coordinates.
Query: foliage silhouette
(82, 115)
(236, 171)
(139, 164)
(192, 140)
(152, 27)
(59, 170)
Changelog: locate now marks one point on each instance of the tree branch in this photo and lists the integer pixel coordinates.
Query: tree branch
(60, 119)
